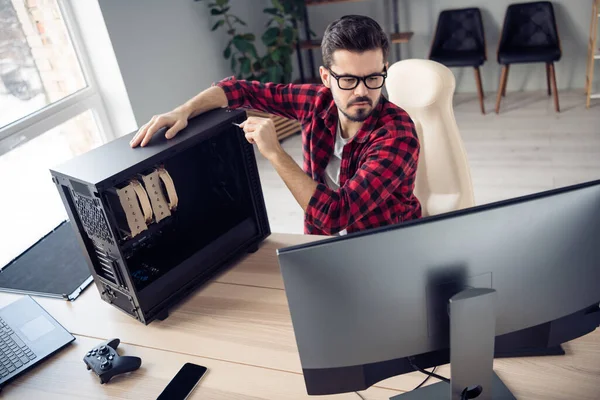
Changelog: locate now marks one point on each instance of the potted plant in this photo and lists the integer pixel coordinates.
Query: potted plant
(280, 38)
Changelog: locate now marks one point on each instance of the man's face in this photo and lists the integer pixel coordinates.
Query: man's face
(357, 103)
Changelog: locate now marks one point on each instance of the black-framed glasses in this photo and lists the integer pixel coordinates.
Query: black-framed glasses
(350, 82)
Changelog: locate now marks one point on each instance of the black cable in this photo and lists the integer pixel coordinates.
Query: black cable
(471, 393)
(426, 379)
(431, 374)
(465, 395)
(421, 384)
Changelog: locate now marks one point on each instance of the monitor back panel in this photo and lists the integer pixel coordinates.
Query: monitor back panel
(383, 294)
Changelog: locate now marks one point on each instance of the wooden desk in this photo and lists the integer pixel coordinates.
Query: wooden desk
(239, 326)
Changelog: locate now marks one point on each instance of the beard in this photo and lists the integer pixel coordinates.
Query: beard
(362, 113)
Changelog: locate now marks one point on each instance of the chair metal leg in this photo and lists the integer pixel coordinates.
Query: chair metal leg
(548, 78)
(554, 88)
(506, 79)
(480, 89)
(502, 88)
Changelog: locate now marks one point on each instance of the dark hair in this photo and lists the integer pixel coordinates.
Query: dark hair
(355, 33)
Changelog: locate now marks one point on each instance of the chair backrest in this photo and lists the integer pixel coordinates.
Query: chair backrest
(424, 89)
(459, 31)
(529, 25)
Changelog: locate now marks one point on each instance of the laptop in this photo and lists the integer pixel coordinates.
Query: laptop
(28, 335)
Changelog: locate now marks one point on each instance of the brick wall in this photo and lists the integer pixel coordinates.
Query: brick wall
(50, 46)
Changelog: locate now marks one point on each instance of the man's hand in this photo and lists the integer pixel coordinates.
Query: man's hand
(262, 132)
(175, 120)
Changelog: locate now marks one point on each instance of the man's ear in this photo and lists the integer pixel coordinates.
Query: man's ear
(387, 65)
(324, 76)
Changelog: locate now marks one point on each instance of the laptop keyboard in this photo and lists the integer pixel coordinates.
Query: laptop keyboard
(13, 352)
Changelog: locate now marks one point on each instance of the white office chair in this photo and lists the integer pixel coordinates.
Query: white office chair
(424, 89)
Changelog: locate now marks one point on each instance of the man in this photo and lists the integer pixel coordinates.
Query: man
(360, 150)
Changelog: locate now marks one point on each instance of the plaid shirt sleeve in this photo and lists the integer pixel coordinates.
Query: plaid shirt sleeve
(294, 101)
(387, 163)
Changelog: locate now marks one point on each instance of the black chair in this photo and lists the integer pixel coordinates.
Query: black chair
(529, 35)
(460, 42)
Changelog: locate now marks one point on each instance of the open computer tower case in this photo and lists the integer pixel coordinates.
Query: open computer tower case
(156, 222)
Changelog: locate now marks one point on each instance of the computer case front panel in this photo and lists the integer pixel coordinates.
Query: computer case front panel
(98, 244)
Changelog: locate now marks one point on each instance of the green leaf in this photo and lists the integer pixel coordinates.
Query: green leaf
(269, 22)
(272, 11)
(280, 74)
(222, 11)
(227, 52)
(295, 9)
(273, 74)
(252, 50)
(276, 55)
(270, 36)
(245, 66)
(280, 20)
(233, 63)
(277, 4)
(249, 37)
(242, 44)
(289, 34)
(222, 2)
(290, 50)
(218, 24)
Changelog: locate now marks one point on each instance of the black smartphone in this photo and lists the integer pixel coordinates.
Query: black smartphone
(183, 383)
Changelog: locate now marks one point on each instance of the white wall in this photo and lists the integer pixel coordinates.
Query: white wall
(420, 16)
(166, 50)
(167, 53)
(92, 31)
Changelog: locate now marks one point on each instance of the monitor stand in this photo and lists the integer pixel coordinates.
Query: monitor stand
(472, 336)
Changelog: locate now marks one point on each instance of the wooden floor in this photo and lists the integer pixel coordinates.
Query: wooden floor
(526, 149)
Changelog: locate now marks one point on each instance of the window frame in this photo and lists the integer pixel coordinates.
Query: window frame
(52, 115)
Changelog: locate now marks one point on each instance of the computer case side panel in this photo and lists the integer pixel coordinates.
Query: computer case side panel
(204, 264)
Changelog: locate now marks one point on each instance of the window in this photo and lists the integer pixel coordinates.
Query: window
(38, 65)
(51, 112)
(30, 204)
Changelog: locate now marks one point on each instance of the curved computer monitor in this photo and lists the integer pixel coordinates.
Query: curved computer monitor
(362, 304)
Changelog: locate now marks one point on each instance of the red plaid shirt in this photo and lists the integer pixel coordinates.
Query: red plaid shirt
(378, 167)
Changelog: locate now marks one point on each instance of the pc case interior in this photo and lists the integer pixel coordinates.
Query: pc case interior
(156, 222)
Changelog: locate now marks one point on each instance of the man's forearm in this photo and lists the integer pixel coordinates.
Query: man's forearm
(300, 184)
(209, 99)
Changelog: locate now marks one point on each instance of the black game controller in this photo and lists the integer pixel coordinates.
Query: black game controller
(106, 362)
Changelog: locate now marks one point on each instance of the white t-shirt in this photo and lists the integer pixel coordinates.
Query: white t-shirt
(332, 172)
